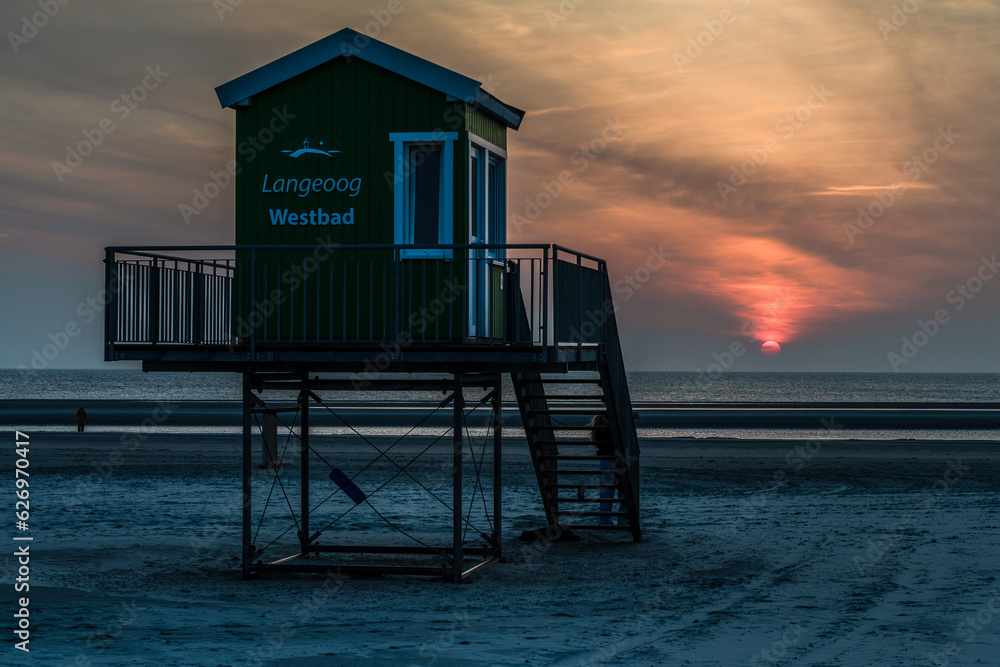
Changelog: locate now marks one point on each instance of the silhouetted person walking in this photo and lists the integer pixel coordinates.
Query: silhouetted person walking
(81, 419)
(600, 435)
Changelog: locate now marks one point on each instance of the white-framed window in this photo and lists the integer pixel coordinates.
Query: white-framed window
(487, 194)
(424, 193)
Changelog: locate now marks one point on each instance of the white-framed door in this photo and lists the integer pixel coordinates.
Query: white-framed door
(477, 236)
(487, 225)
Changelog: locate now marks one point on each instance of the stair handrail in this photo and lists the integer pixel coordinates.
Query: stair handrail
(621, 413)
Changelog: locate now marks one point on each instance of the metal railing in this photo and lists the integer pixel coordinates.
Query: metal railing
(327, 296)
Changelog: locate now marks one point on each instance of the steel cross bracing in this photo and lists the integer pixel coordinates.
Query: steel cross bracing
(465, 518)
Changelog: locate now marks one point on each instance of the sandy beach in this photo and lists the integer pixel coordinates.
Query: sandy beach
(758, 553)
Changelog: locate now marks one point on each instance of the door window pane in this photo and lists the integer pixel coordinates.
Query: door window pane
(425, 193)
(497, 199)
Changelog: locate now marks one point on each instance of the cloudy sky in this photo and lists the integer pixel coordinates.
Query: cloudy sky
(822, 174)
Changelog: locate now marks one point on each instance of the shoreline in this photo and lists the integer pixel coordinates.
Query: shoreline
(69, 434)
(651, 415)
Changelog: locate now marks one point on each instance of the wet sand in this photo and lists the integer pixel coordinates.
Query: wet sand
(825, 553)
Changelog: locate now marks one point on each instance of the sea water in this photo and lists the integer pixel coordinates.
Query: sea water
(645, 387)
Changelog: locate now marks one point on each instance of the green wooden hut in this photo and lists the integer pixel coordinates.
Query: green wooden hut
(349, 143)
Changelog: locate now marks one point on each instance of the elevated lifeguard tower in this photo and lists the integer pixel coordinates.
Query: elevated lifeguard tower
(371, 253)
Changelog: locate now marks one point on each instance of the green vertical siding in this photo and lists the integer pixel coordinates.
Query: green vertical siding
(360, 105)
(350, 101)
(484, 125)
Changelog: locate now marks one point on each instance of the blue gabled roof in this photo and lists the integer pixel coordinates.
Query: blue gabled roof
(346, 43)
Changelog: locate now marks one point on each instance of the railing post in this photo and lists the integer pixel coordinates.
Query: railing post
(252, 305)
(197, 304)
(544, 284)
(579, 273)
(153, 303)
(111, 312)
(555, 300)
(606, 303)
(397, 293)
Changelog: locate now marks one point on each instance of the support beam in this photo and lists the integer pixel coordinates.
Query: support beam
(304, 463)
(247, 471)
(265, 382)
(459, 409)
(497, 467)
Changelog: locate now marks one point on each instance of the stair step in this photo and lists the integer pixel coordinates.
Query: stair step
(562, 381)
(594, 526)
(561, 441)
(577, 486)
(570, 457)
(587, 443)
(560, 427)
(581, 412)
(572, 441)
(597, 514)
(567, 397)
(568, 471)
(582, 500)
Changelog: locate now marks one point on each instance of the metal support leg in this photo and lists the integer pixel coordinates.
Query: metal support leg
(247, 471)
(459, 407)
(304, 458)
(497, 467)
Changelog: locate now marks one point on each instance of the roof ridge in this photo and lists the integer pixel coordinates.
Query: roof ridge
(351, 43)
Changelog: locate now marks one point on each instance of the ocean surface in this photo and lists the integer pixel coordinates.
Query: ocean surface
(645, 387)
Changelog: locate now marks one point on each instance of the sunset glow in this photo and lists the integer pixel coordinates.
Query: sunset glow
(812, 176)
(770, 348)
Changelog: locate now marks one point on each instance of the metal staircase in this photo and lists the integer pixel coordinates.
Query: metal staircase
(557, 409)
(557, 412)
